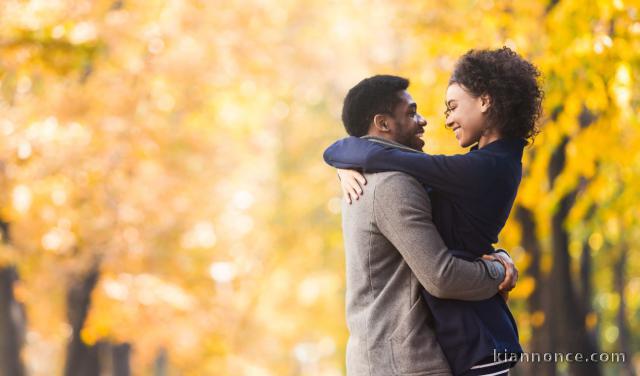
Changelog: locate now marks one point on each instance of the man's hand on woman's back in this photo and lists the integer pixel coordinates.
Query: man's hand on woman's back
(511, 272)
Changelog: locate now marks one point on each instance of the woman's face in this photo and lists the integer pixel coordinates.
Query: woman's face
(465, 114)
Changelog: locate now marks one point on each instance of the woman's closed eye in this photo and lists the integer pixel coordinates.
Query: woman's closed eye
(448, 111)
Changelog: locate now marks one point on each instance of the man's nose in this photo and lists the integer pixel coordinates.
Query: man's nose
(422, 121)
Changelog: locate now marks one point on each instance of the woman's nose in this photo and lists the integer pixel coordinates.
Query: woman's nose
(448, 122)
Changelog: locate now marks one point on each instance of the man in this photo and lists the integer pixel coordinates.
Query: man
(392, 248)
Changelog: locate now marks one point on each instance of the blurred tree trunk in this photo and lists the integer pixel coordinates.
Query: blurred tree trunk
(160, 368)
(11, 325)
(12, 318)
(586, 271)
(121, 356)
(539, 302)
(566, 311)
(624, 337)
(82, 359)
(585, 276)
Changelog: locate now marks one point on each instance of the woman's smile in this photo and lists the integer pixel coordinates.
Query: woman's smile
(457, 130)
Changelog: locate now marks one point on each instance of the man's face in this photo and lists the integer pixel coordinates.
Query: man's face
(406, 126)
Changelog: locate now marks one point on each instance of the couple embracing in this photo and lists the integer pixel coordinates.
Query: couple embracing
(426, 292)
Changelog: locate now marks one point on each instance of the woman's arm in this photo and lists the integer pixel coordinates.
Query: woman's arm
(456, 174)
(349, 153)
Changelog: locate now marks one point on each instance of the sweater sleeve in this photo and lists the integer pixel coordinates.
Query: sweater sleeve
(456, 174)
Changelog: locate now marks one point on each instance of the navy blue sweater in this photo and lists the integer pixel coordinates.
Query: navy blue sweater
(471, 196)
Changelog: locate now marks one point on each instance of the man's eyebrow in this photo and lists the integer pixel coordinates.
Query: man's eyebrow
(413, 106)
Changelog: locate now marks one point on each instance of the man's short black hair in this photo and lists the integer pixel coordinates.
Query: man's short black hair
(371, 96)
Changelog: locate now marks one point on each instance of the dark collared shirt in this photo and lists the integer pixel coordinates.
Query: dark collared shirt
(471, 195)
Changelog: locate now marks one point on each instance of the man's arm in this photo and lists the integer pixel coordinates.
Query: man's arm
(402, 212)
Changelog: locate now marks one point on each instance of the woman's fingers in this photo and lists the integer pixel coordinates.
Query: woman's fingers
(346, 195)
(355, 186)
(360, 178)
(352, 177)
(352, 185)
(351, 182)
(349, 193)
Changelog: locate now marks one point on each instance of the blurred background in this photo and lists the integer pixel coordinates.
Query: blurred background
(164, 206)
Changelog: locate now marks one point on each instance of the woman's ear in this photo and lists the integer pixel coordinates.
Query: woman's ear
(485, 103)
(380, 122)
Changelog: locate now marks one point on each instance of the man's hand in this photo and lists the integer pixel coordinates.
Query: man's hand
(351, 182)
(511, 272)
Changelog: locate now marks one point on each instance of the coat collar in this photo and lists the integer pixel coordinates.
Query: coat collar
(389, 143)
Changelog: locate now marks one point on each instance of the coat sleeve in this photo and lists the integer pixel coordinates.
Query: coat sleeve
(402, 213)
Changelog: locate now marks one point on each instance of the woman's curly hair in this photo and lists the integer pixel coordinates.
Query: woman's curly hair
(512, 84)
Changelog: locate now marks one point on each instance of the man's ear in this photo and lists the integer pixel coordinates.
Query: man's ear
(380, 122)
(485, 102)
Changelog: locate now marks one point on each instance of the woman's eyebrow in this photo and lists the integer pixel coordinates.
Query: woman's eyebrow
(448, 103)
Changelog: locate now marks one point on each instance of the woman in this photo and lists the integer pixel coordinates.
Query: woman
(493, 102)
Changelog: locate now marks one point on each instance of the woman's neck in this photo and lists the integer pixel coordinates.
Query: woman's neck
(488, 138)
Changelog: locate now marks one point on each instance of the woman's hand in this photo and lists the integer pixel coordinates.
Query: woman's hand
(351, 182)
